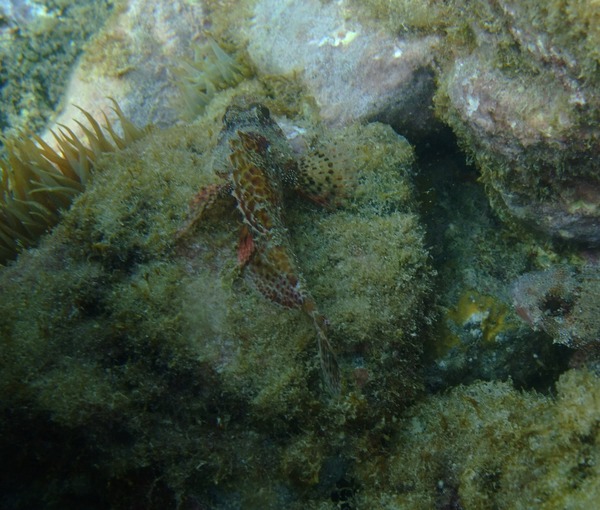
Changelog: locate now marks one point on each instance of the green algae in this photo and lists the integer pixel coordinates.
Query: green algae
(37, 59)
(568, 29)
(180, 379)
(163, 380)
(490, 446)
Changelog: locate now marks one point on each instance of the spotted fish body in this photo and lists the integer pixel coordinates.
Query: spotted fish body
(257, 166)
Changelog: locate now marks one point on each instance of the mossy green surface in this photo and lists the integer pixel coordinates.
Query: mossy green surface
(147, 373)
(568, 29)
(490, 446)
(37, 59)
(171, 380)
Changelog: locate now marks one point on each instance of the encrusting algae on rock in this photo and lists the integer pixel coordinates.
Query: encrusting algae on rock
(182, 382)
(563, 301)
(488, 445)
(146, 374)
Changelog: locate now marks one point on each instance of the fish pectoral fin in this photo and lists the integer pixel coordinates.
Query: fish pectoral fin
(325, 177)
(246, 246)
(207, 198)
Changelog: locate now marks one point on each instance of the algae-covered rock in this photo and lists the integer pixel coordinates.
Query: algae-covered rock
(563, 301)
(477, 335)
(39, 45)
(535, 146)
(518, 83)
(489, 446)
(524, 102)
(133, 59)
(167, 377)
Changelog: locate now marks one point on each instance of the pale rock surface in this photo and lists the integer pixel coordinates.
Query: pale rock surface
(354, 72)
(131, 61)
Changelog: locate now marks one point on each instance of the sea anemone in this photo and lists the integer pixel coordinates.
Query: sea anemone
(212, 69)
(38, 181)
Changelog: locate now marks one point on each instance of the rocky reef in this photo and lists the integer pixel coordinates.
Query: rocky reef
(518, 84)
(525, 102)
(39, 45)
(165, 363)
(455, 266)
(447, 455)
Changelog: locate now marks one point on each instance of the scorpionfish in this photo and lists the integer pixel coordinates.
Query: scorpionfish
(257, 168)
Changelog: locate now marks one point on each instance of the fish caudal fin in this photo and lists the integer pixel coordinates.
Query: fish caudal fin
(330, 369)
(329, 365)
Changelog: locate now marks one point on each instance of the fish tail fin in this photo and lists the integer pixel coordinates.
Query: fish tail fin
(330, 369)
(329, 366)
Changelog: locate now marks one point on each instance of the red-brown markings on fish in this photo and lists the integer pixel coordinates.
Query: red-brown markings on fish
(257, 166)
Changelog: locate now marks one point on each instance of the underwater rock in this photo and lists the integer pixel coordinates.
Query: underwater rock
(525, 104)
(488, 445)
(477, 334)
(131, 60)
(562, 301)
(40, 43)
(169, 378)
(535, 150)
(20, 13)
(562, 35)
(480, 338)
(354, 71)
